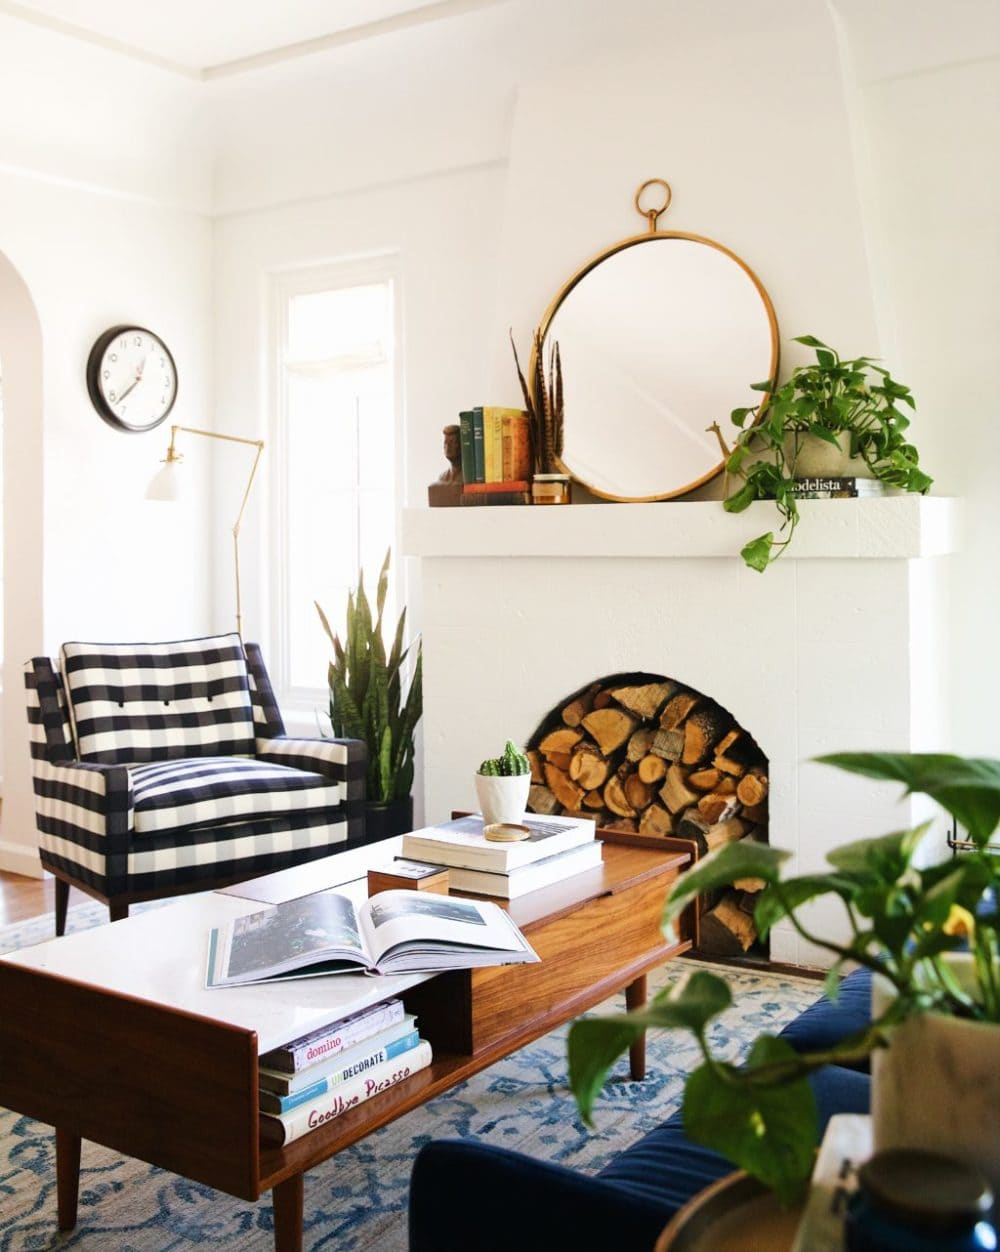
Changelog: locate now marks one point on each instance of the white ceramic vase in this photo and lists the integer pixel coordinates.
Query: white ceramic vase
(816, 458)
(503, 798)
(937, 1087)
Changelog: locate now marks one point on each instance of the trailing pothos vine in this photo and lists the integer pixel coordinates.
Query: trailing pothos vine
(823, 399)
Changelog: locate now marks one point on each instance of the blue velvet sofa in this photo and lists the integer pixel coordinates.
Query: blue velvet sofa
(468, 1197)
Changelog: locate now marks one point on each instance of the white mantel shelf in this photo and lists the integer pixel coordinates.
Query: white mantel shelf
(891, 528)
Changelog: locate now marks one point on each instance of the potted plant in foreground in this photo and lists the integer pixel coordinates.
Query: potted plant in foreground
(933, 1000)
(367, 702)
(851, 408)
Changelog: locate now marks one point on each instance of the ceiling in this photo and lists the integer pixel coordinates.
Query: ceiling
(220, 37)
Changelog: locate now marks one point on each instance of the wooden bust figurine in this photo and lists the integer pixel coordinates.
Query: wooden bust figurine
(447, 491)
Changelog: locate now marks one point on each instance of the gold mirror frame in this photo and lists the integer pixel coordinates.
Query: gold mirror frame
(652, 234)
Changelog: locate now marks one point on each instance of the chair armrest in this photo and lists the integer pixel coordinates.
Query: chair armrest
(85, 813)
(343, 760)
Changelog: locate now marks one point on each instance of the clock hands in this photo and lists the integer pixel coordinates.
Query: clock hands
(138, 380)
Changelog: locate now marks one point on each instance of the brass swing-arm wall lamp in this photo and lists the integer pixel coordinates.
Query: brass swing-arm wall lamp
(166, 485)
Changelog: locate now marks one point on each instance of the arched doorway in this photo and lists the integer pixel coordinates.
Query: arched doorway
(21, 365)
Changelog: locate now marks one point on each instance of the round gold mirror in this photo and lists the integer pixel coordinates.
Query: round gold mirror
(659, 336)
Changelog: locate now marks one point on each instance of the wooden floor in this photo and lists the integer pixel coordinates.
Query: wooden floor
(21, 898)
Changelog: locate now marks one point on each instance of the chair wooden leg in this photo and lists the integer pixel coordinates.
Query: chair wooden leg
(117, 910)
(62, 903)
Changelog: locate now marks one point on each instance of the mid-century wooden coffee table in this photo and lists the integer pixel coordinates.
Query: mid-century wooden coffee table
(110, 1035)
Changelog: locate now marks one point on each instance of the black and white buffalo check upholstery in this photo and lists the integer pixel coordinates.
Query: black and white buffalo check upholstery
(162, 768)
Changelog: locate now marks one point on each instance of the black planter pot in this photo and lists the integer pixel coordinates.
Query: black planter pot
(382, 821)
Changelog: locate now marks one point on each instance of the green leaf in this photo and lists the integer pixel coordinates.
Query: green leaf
(595, 1043)
(809, 340)
(721, 868)
(776, 902)
(966, 787)
(824, 433)
(885, 857)
(736, 458)
(826, 358)
(741, 499)
(770, 1131)
(757, 553)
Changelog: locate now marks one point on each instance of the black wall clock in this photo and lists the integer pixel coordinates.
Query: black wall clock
(131, 378)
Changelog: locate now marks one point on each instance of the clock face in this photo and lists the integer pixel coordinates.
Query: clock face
(131, 378)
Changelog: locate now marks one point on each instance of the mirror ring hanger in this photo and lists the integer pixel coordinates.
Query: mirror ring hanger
(652, 215)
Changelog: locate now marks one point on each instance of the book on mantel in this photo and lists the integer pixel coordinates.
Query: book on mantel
(461, 843)
(394, 932)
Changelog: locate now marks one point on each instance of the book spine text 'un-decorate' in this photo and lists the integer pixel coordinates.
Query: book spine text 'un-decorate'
(336, 1037)
(271, 1102)
(276, 1131)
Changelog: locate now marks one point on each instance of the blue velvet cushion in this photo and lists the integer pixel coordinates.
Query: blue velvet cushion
(458, 1189)
(665, 1167)
(826, 1022)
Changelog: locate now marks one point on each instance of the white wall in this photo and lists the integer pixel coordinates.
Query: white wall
(99, 217)
(21, 364)
(924, 83)
(446, 258)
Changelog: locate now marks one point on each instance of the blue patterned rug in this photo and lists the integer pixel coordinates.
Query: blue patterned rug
(358, 1200)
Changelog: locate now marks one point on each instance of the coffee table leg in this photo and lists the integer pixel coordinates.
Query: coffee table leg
(67, 1177)
(287, 1200)
(635, 998)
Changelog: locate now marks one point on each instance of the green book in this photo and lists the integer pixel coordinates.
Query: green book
(468, 451)
(478, 447)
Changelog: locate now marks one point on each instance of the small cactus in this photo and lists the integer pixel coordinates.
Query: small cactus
(513, 761)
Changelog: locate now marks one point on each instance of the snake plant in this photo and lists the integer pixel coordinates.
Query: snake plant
(366, 691)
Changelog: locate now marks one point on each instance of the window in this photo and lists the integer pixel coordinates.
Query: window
(336, 458)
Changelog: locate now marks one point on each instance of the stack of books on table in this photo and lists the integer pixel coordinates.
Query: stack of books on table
(556, 849)
(497, 456)
(817, 488)
(312, 1080)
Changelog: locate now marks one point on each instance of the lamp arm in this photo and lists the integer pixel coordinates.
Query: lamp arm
(251, 443)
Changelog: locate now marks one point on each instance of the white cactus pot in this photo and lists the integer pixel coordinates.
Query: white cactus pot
(502, 799)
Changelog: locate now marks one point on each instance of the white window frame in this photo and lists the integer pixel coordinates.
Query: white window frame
(302, 703)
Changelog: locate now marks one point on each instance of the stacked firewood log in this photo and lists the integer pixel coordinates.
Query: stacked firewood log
(645, 755)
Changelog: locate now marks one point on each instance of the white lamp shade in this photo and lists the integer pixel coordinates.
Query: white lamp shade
(166, 484)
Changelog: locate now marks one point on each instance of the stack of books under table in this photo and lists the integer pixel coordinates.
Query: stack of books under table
(556, 849)
(312, 1080)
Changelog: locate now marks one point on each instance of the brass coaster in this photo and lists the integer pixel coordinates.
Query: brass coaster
(506, 832)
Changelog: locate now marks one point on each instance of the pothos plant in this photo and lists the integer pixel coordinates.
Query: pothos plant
(824, 400)
(902, 922)
(366, 691)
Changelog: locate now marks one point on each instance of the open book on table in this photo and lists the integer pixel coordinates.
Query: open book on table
(394, 932)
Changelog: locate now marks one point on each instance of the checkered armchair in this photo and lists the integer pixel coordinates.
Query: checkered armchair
(164, 768)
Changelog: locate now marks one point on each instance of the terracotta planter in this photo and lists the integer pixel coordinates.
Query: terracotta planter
(502, 799)
(937, 1087)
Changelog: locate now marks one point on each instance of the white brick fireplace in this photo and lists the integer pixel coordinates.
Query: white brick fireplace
(839, 646)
